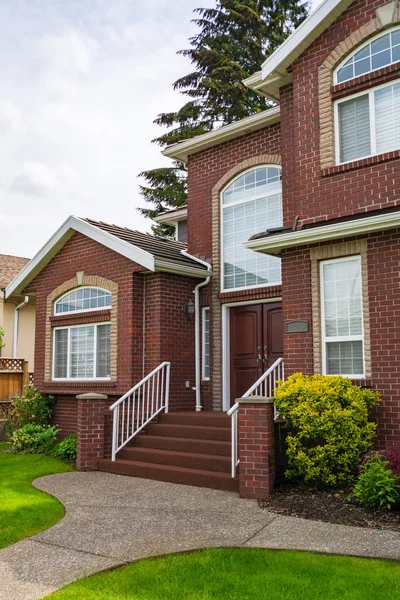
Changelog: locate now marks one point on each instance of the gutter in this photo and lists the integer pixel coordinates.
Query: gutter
(16, 323)
(197, 350)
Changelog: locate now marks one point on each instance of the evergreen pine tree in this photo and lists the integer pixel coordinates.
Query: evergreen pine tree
(234, 39)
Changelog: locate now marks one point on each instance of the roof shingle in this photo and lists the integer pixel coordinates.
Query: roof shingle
(10, 266)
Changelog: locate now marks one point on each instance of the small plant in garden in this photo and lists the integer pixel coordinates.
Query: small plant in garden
(377, 486)
(328, 427)
(34, 438)
(66, 449)
(2, 344)
(31, 408)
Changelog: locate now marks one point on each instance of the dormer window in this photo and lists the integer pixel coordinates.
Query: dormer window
(368, 123)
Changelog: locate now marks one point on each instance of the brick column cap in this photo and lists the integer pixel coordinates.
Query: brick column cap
(92, 396)
(255, 400)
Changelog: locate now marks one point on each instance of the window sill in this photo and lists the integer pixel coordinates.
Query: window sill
(363, 82)
(80, 383)
(360, 164)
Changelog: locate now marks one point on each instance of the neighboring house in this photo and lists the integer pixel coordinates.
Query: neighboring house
(17, 317)
(297, 209)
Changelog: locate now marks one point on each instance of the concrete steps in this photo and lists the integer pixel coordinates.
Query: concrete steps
(187, 448)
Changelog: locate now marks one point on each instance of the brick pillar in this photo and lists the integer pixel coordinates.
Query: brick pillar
(90, 430)
(256, 447)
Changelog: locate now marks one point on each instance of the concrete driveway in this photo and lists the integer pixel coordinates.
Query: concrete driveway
(111, 520)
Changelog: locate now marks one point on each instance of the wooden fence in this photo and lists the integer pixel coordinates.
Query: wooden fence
(14, 376)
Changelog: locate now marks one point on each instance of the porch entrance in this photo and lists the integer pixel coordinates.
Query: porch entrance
(256, 341)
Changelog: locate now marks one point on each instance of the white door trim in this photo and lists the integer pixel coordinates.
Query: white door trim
(226, 344)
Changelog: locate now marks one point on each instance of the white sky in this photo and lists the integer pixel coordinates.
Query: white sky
(80, 84)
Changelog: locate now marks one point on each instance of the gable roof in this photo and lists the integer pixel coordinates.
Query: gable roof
(151, 252)
(274, 72)
(10, 266)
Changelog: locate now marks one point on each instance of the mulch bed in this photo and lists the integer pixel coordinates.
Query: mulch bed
(329, 506)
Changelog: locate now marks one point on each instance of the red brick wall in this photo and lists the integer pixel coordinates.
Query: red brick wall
(170, 333)
(384, 309)
(307, 191)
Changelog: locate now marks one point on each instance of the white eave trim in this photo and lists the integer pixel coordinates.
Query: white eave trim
(171, 217)
(169, 267)
(276, 65)
(182, 150)
(274, 244)
(60, 238)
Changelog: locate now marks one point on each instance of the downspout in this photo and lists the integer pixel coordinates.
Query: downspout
(197, 350)
(16, 321)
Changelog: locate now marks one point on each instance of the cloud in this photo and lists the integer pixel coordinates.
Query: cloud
(10, 117)
(40, 180)
(62, 59)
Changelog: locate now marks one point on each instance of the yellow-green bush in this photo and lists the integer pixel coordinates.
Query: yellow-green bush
(328, 427)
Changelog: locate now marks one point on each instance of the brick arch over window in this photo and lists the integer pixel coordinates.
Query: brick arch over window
(325, 80)
(71, 284)
(216, 320)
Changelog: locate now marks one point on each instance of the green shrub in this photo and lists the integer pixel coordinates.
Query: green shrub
(377, 486)
(66, 449)
(328, 428)
(32, 408)
(34, 438)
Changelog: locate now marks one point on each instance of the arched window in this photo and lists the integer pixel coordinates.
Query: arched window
(83, 299)
(380, 52)
(367, 123)
(82, 351)
(250, 203)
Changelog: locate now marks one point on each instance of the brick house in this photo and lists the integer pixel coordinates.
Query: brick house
(296, 212)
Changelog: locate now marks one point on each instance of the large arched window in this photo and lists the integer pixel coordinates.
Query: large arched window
(368, 123)
(82, 351)
(380, 52)
(83, 299)
(250, 203)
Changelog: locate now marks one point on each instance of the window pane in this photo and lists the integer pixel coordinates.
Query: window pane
(354, 129)
(103, 351)
(375, 55)
(387, 118)
(82, 352)
(60, 353)
(254, 206)
(84, 299)
(344, 358)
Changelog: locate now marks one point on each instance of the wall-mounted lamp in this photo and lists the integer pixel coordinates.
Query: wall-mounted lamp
(188, 309)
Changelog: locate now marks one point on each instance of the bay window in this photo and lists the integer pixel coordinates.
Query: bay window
(342, 321)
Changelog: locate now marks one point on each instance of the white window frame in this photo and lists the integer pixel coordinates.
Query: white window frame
(371, 96)
(69, 327)
(84, 310)
(342, 338)
(221, 231)
(205, 311)
(364, 45)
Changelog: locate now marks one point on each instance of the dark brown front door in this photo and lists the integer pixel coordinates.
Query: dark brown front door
(256, 341)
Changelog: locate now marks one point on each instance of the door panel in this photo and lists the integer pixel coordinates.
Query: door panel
(256, 341)
(245, 348)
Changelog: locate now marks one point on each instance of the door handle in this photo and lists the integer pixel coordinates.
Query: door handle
(265, 359)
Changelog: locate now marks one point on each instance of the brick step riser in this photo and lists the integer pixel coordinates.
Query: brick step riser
(159, 473)
(185, 459)
(198, 419)
(182, 445)
(180, 431)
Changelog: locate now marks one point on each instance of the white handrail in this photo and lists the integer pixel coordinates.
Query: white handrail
(139, 406)
(264, 386)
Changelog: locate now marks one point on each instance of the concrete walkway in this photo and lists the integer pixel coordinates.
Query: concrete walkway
(111, 520)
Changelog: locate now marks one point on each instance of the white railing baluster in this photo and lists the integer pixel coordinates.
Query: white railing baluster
(268, 382)
(134, 415)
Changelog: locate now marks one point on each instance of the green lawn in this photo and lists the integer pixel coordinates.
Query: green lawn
(242, 574)
(25, 511)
